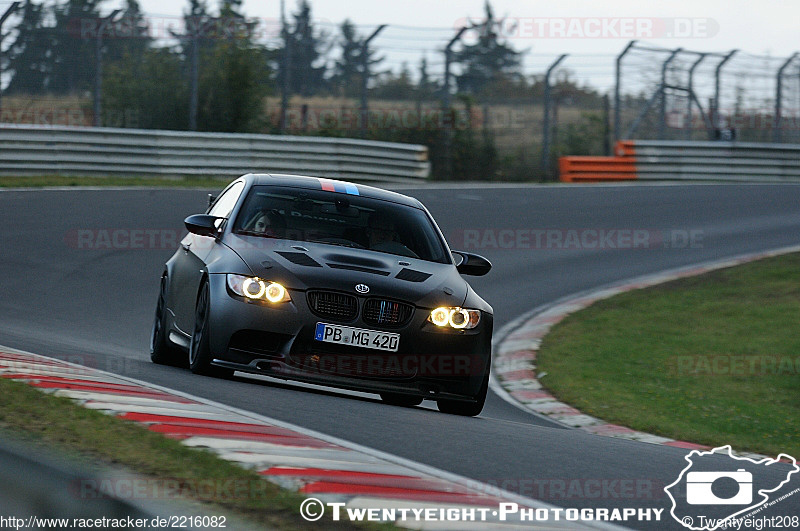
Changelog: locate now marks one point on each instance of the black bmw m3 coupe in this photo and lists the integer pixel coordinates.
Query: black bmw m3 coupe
(326, 282)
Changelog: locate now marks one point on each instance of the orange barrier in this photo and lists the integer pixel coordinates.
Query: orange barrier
(624, 148)
(597, 169)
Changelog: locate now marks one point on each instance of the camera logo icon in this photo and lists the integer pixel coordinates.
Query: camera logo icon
(699, 488)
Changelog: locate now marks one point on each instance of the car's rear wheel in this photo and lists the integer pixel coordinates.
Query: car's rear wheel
(199, 349)
(396, 399)
(468, 409)
(161, 350)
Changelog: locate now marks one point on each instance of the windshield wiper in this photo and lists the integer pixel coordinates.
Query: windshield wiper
(340, 244)
(254, 233)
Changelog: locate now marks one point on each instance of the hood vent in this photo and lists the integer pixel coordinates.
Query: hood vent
(359, 269)
(301, 259)
(412, 275)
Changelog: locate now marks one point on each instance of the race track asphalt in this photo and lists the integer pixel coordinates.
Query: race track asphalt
(65, 294)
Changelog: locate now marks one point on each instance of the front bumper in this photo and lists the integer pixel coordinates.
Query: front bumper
(278, 341)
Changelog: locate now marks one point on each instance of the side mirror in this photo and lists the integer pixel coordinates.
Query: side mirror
(202, 224)
(472, 264)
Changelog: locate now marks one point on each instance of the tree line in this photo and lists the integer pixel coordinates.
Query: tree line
(148, 84)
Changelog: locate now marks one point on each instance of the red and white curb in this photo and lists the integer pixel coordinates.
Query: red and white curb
(514, 374)
(311, 463)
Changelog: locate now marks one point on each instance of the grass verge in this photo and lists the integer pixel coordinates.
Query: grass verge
(64, 426)
(712, 359)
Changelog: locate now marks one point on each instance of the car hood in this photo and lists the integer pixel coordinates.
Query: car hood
(303, 265)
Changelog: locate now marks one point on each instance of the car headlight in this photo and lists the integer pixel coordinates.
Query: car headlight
(455, 317)
(256, 289)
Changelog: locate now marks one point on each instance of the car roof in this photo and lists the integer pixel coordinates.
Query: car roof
(318, 183)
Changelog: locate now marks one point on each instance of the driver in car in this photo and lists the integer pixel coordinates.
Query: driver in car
(383, 237)
(270, 223)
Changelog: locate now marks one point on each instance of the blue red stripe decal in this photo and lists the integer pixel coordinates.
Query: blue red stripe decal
(329, 185)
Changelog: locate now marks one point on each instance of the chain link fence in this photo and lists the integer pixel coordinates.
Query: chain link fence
(677, 94)
(548, 107)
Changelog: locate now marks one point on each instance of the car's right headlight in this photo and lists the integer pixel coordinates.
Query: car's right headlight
(455, 317)
(255, 288)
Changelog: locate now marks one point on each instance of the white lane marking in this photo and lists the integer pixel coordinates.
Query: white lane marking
(45, 373)
(261, 461)
(122, 398)
(121, 408)
(275, 449)
(270, 451)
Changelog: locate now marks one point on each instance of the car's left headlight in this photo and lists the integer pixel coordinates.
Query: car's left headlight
(455, 317)
(255, 288)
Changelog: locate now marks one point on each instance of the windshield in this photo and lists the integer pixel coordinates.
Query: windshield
(339, 219)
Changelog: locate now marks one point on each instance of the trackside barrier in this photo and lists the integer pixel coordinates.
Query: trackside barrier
(595, 169)
(671, 160)
(38, 150)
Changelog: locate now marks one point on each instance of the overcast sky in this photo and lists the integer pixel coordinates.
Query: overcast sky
(765, 26)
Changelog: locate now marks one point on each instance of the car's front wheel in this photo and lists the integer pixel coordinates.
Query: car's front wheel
(161, 350)
(199, 349)
(468, 409)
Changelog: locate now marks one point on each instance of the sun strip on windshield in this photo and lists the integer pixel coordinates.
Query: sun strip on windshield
(330, 185)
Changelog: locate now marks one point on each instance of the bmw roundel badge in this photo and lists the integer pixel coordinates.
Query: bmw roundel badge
(362, 288)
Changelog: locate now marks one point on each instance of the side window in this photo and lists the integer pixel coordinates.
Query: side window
(225, 203)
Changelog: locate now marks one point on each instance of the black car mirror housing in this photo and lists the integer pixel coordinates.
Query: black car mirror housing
(472, 264)
(202, 224)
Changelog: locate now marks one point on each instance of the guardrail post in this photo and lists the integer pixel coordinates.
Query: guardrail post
(691, 96)
(717, 71)
(365, 78)
(98, 76)
(545, 164)
(197, 27)
(662, 115)
(618, 78)
(13, 7)
(287, 61)
(776, 125)
(606, 126)
(447, 157)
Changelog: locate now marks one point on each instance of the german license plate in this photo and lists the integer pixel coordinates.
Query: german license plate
(357, 337)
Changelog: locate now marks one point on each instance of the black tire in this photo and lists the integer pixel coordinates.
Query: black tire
(161, 350)
(199, 348)
(401, 400)
(468, 409)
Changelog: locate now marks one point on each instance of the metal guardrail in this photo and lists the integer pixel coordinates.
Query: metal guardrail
(684, 160)
(36, 150)
(716, 160)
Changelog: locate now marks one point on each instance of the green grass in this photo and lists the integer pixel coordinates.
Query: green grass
(712, 359)
(61, 181)
(67, 428)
